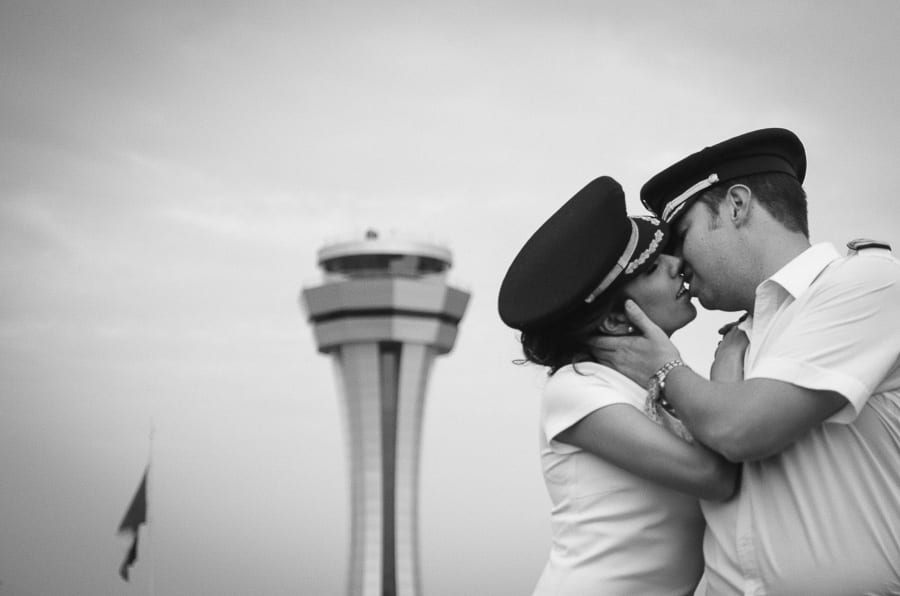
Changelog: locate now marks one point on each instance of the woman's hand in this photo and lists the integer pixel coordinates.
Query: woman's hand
(636, 356)
(728, 364)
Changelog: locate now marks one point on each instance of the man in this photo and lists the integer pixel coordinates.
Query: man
(816, 420)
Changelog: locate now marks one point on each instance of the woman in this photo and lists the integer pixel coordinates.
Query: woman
(623, 476)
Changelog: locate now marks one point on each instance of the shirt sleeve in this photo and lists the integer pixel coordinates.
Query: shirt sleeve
(570, 395)
(844, 336)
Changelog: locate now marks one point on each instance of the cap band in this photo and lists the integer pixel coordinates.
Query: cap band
(676, 204)
(755, 164)
(619, 266)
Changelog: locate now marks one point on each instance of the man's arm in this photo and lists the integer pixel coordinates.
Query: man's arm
(751, 419)
(744, 421)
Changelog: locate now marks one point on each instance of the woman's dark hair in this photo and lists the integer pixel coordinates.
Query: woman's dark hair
(567, 341)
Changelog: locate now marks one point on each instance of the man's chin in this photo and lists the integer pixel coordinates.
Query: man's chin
(708, 302)
(712, 303)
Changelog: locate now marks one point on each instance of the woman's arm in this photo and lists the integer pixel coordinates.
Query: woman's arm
(623, 436)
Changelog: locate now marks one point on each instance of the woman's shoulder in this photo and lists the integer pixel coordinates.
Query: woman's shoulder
(576, 390)
(589, 374)
(589, 371)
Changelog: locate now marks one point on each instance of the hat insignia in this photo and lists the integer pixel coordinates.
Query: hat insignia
(654, 243)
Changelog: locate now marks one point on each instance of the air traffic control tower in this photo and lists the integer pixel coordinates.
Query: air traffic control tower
(383, 312)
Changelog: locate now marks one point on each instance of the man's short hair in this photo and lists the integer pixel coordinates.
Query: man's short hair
(781, 195)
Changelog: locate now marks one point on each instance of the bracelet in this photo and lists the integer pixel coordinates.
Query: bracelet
(658, 382)
(664, 371)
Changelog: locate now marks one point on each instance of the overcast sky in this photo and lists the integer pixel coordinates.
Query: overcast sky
(168, 171)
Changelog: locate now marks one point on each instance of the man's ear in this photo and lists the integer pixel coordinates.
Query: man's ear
(616, 323)
(737, 204)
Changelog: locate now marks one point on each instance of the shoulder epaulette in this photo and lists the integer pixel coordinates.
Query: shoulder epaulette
(859, 244)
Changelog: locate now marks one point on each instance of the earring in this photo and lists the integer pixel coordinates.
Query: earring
(630, 330)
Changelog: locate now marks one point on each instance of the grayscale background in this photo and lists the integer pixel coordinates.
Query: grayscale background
(168, 171)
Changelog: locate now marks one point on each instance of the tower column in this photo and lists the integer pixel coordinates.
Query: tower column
(383, 313)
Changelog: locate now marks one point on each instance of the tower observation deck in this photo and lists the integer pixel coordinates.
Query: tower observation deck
(383, 311)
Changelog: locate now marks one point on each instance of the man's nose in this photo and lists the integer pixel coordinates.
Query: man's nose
(674, 264)
(678, 265)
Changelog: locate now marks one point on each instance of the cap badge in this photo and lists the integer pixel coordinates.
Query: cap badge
(654, 244)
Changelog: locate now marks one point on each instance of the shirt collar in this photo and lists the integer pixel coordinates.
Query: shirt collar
(802, 270)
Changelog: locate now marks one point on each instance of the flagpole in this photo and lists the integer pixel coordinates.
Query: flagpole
(151, 587)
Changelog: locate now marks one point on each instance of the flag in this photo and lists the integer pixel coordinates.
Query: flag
(134, 517)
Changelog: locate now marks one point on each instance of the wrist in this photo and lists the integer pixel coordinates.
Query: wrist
(657, 381)
(663, 371)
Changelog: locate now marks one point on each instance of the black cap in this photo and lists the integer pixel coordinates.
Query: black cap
(672, 191)
(589, 245)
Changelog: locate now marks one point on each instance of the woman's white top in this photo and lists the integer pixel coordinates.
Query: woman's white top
(614, 533)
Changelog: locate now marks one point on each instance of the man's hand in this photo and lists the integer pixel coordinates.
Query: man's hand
(728, 365)
(636, 356)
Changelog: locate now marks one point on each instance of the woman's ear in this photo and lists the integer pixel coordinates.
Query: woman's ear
(616, 323)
